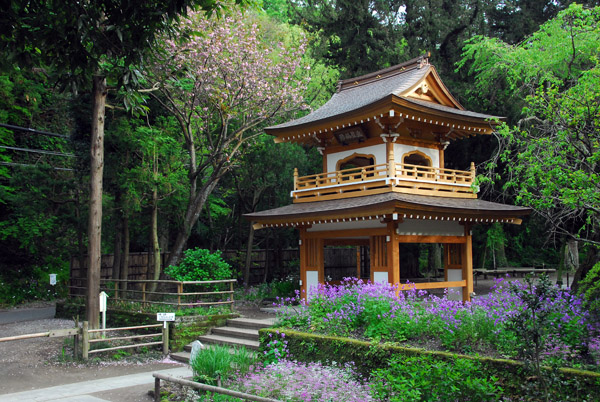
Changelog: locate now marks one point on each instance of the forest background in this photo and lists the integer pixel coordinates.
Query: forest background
(186, 156)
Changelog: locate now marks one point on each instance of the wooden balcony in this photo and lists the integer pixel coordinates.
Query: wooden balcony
(375, 179)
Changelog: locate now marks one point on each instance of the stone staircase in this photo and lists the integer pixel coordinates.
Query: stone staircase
(236, 332)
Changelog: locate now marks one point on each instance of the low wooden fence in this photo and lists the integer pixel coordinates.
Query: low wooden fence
(87, 341)
(168, 292)
(204, 387)
(54, 333)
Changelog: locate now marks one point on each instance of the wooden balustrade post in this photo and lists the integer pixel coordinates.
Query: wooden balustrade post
(295, 179)
(338, 177)
(473, 172)
(363, 174)
(85, 344)
(392, 165)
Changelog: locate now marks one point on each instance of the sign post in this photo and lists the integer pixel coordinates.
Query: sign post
(165, 317)
(103, 297)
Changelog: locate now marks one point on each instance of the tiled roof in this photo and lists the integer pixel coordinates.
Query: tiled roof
(391, 199)
(448, 109)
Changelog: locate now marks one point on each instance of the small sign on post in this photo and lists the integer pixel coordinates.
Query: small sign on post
(103, 297)
(53, 279)
(165, 317)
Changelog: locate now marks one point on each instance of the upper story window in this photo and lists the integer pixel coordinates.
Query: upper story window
(416, 158)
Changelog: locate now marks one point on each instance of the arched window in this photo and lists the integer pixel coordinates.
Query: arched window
(356, 162)
(417, 158)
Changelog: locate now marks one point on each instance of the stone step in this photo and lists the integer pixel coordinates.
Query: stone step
(235, 332)
(250, 323)
(229, 341)
(183, 357)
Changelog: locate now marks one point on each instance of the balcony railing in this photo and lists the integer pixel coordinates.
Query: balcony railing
(374, 179)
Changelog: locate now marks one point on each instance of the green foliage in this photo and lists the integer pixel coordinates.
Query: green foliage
(424, 378)
(217, 363)
(553, 79)
(589, 288)
(200, 265)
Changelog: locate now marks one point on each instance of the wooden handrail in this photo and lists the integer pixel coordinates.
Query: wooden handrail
(375, 172)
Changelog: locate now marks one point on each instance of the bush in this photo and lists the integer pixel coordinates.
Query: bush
(589, 288)
(423, 378)
(200, 265)
(218, 363)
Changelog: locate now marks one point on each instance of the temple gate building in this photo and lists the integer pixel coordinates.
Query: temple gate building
(384, 181)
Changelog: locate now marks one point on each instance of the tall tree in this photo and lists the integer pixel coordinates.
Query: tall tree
(86, 44)
(221, 86)
(551, 156)
(356, 36)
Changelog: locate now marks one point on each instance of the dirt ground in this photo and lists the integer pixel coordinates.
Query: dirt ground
(39, 363)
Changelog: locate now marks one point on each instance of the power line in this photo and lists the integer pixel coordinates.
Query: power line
(35, 166)
(39, 151)
(31, 130)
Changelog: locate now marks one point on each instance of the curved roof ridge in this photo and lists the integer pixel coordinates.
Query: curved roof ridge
(417, 62)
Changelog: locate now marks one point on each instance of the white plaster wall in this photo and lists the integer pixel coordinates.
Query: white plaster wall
(401, 149)
(420, 227)
(378, 151)
(312, 282)
(366, 224)
(455, 293)
(380, 277)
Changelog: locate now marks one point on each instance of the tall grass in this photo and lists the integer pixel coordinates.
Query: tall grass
(216, 363)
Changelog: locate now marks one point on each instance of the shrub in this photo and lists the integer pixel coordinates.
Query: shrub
(423, 378)
(589, 288)
(200, 265)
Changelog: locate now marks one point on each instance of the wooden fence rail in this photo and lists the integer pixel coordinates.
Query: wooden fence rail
(54, 333)
(87, 342)
(121, 289)
(204, 387)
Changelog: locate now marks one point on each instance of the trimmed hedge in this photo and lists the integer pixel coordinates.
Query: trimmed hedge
(307, 347)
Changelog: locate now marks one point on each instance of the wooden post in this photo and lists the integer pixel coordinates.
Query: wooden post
(143, 293)
(467, 262)
(76, 339)
(156, 389)
(165, 338)
(295, 179)
(85, 344)
(179, 292)
(116, 290)
(231, 289)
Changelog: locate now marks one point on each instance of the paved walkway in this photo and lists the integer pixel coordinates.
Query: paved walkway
(80, 391)
(26, 314)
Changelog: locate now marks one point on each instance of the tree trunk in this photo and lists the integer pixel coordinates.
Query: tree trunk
(118, 248)
(125, 259)
(192, 215)
(249, 245)
(95, 213)
(154, 241)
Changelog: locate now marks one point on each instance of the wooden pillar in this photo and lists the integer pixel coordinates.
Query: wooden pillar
(393, 247)
(302, 253)
(467, 264)
(379, 259)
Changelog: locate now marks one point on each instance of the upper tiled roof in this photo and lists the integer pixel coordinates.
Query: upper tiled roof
(356, 93)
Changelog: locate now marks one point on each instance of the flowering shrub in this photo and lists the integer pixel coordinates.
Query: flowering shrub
(376, 312)
(276, 349)
(294, 381)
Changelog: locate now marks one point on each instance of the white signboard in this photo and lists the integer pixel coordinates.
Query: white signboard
(165, 316)
(103, 297)
(52, 279)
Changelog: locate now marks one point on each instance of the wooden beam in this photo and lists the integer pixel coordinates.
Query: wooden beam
(430, 239)
(433, 285)
(346, 242)
(350, 233)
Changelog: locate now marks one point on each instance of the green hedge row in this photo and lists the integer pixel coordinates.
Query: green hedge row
(512, 377)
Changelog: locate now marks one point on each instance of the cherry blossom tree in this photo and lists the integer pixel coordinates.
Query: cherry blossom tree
(222, 80)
